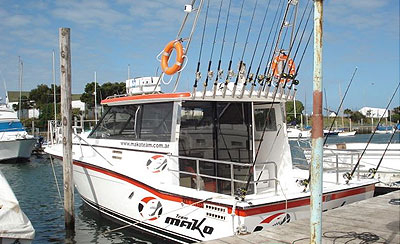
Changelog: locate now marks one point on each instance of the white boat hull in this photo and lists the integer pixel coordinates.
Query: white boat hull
(347, 133)
(173, 217)
(16, 149)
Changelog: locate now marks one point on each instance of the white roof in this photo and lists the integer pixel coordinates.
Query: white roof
(13, 222)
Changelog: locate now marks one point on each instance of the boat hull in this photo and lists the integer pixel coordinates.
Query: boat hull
(16, 150)
(175, 217)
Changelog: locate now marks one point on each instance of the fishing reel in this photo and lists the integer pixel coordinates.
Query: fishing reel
(303, 182)
(220, 73)
(240, 194)
(295, 82)
(260, 79)
(347, 176)
(210, 74)
(371, 173)
(198, 75)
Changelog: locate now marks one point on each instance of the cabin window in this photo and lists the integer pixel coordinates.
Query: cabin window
(265, 117)
(215, 131)
(142, 122)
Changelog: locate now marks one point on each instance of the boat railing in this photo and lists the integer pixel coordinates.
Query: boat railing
(54, 129)
(199, 177)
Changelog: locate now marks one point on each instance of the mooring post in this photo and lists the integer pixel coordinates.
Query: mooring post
(66, 118)
(317, 131)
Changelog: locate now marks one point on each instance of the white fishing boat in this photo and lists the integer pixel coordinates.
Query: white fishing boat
(15, 227)
(294, 133)
(200, 165)
(347, 133)
(15, 143)
(344, 154)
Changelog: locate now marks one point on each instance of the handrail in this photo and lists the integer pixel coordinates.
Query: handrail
(232, 179)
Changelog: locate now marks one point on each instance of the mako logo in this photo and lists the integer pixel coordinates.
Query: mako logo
(157, 163)
(150, 208)
(193, 224)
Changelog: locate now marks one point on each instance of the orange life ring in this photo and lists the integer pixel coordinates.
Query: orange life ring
(280, 60)
(177, 45)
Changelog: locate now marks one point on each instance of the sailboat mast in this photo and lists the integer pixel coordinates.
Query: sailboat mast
(20, 69)
(54, 87)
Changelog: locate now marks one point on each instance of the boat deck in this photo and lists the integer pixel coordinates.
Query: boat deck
(372, 220)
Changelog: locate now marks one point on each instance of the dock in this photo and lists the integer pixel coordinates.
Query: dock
(375, 220)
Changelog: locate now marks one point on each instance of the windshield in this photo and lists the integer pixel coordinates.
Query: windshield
(144, 122)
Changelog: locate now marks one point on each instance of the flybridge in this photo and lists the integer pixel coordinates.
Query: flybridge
(142, 85)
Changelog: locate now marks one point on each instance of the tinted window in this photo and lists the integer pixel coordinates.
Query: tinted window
(149, 122)
(265, 116)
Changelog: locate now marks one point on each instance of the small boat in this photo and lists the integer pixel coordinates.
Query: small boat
(343, 154)
(347, 133)
(15, 143)
(331, 132)
(297, 133)
(15, 227)
(384, 130)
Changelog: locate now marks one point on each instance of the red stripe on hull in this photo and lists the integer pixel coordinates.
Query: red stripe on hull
(270, 207)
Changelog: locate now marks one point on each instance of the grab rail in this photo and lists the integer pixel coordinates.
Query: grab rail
(232, 179)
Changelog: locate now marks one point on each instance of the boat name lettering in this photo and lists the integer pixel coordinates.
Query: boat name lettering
(145, 144)
(194, 224)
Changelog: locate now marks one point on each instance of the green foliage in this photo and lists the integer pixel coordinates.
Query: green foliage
(290, 111)
(357, 116)
(348, 112)
(395, 114)
(103, 91)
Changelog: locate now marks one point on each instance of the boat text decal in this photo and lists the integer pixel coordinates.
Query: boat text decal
(193, 224)
(145, 144)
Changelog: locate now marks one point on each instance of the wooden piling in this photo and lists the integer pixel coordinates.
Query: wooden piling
(66, 115)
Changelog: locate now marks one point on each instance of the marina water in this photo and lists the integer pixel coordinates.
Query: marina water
(34, 185)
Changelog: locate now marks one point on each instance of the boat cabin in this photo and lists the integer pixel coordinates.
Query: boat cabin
(213, 143)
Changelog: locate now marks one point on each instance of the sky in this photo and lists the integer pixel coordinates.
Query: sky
(107, 36)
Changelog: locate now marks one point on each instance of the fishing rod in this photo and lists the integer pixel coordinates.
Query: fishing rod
(294, 81)
(219, 70)
(244, 191)
(273, 50)
(244, 51)
(374, 170)
(198, 74)
(230, 72)
(349, 176)
(292, 77)
(209, 72)
(250, 78)
(306, 183)
(261, 77)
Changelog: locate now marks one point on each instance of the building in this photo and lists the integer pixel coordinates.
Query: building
(13, 99)
(373, 112)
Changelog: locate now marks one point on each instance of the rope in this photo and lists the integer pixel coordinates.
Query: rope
(352, 237)
(142, 221)
(55, 178)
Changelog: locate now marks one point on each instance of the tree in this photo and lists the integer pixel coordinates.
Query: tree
(103, 91)
(357, 116)
(290, 111)
(395, 114)
(348, 112)
(42, 95)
